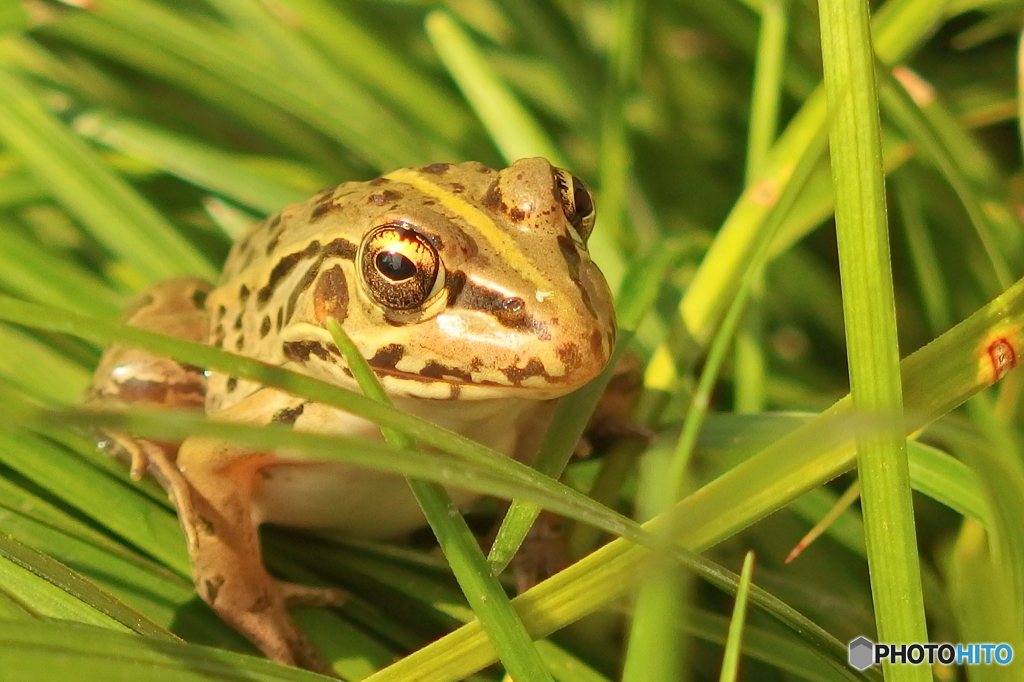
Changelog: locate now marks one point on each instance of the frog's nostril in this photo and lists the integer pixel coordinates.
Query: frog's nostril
(513, 304)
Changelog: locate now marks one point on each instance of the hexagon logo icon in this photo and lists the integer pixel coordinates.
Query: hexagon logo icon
(862, 653)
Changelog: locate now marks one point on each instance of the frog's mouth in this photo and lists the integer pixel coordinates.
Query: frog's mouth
(439, 381)
(491, 372)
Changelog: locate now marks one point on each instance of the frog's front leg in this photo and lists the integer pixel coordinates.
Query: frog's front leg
(213, 495)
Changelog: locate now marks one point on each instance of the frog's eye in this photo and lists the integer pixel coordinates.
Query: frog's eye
(577, 202)
(400, 267)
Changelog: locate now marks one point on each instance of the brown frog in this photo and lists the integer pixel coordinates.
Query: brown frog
(470, 292)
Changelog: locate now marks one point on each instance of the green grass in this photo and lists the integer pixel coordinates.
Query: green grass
(138, 137)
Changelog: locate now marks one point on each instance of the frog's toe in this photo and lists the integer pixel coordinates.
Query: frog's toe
(288, 646)
(264, 620)
(296, 595)
(139, 457)
(305, 656)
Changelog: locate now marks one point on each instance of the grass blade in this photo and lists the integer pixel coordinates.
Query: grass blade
(870, 313)
(115, 215)
(485, 595)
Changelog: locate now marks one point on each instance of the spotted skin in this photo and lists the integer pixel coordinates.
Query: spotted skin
(470, 292)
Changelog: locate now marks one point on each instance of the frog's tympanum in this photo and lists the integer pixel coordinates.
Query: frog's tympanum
(469, 291)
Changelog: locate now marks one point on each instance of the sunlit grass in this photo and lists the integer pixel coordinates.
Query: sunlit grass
(137, 136)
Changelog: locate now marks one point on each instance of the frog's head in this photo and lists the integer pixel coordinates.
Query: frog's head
(464, 282)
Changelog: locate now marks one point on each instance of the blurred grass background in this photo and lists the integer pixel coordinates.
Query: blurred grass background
(138, 137)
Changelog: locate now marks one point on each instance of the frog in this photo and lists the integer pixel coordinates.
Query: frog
(469, 291)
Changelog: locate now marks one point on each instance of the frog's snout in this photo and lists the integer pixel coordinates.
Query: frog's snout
(550, 342)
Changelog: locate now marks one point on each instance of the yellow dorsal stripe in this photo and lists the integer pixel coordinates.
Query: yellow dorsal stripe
(482, 222)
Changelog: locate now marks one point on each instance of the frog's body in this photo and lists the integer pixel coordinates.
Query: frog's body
(472, 296)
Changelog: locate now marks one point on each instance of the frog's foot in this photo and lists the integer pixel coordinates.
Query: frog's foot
(124, 447)
(138, 451)
(296, 595)
(212, 493)
(140, 463)
(256, 605)
(229, 575)
(154, 458)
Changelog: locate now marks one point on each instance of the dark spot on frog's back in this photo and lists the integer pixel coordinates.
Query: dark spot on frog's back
(283, 268)
(457, 188)
(265, 326)
(232, 384)
(376, 182)
(206, 526)
(330, 298)
(388, 356)
(436, 168)
(299, 351)
(517, 215)
(385, 197)
(306, 282)
(493, 199)
(472, 250)
(243, 293)
(250, 256)
(340, 248)
(198, 297)
(435, 370)
(213, 588)
(272, 241)
(261, 603)
(243, 244)
(326, 205)
(319, 211)
(288, 415)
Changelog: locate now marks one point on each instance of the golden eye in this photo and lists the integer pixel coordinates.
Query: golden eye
(400, 267)
(577, 202)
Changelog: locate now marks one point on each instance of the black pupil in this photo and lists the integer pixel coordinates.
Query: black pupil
(395, 266)
(581, 198)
